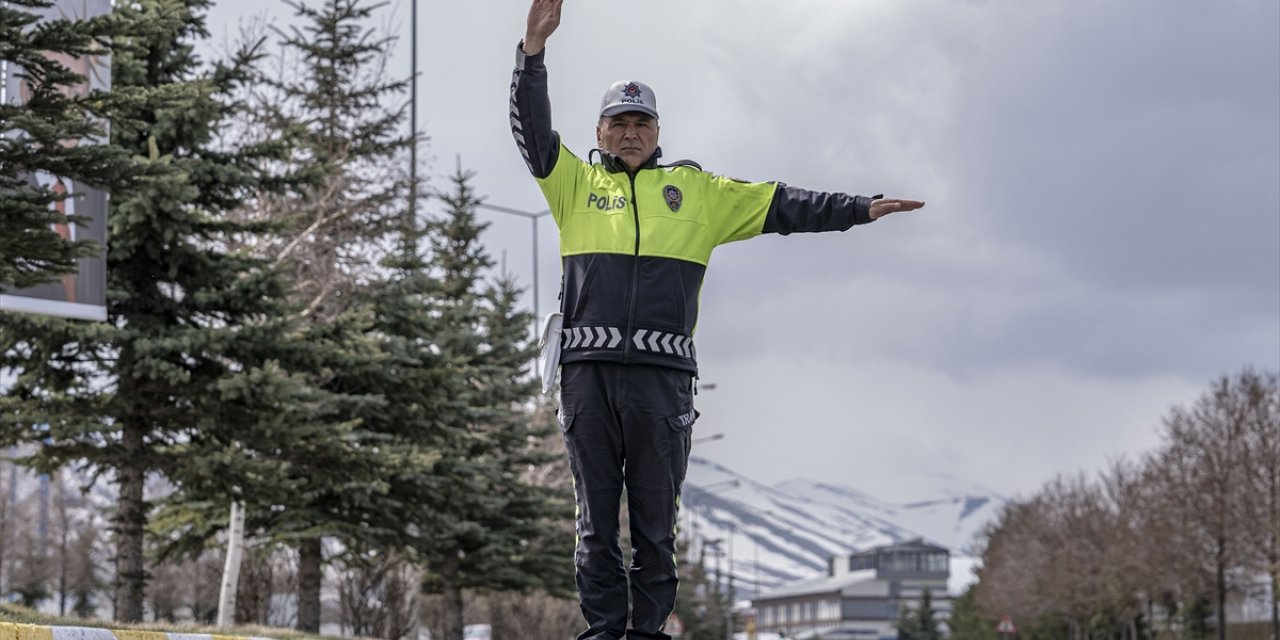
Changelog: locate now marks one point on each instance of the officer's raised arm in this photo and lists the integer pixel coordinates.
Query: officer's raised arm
(530, 105)
(544, 18)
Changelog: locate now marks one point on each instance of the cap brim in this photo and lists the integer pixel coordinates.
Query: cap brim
(615, 109)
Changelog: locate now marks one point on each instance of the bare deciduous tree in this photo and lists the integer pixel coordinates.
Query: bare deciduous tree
(534, 616)
(264, 572)
(1260, 393)
(378, 596)
(1209, 442)
(87, 553)
(1185, 528)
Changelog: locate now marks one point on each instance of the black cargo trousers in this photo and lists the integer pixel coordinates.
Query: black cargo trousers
(626, 426)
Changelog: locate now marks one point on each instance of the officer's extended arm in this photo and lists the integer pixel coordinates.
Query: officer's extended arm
(530, 104)
(796, 210)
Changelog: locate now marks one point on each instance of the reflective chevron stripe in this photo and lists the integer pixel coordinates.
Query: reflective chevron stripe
(672, 344)
(592, 338)
(662, 342)
(666, 344)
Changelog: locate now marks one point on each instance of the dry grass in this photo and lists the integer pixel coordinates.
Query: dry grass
(1249, 631)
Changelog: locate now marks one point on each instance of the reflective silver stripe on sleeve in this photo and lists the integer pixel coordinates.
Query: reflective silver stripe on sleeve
(517, 131)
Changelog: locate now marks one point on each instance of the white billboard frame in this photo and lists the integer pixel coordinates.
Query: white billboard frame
(81, 295)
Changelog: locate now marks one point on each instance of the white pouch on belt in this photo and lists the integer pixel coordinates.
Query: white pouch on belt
(550, 345)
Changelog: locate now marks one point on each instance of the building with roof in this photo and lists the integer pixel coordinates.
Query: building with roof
(862, 594)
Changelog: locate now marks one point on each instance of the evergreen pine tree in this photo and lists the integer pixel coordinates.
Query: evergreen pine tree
(381, 375)
(411, 379)
(345, 221)
(32, 135)
(966, 621)
(920, 623)
(187, 320)
(500, 531)
(699, 602)
(319, 466)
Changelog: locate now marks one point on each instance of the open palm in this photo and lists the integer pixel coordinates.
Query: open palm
(544, 18)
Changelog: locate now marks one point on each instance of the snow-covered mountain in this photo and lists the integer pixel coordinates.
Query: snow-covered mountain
(786, 532)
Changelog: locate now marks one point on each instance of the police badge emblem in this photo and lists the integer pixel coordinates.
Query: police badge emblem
(673, 197)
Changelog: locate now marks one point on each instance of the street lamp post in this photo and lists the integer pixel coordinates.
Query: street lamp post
(727, 577)
(715, 488)
(728, 611)
(687, 506)
(533, 218)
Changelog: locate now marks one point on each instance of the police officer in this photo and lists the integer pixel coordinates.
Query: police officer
(635, 239)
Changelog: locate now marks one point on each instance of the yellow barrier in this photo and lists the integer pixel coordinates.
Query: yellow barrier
(15, 631)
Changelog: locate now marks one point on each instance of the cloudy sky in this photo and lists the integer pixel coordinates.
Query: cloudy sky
(1102, 235)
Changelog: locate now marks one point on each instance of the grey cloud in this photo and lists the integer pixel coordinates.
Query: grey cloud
(1138, 147)
(1122, 168)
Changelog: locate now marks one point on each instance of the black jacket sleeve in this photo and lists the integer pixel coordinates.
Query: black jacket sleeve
(531, 113)
(796, 210)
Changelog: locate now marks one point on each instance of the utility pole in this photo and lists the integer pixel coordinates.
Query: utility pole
(755, 562)
(411, 225)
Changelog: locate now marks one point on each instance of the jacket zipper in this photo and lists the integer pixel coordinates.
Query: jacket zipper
(635, 274)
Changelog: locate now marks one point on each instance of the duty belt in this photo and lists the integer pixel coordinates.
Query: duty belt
(650, 340)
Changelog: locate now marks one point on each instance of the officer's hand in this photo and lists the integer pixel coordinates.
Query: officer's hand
(886, 206)
(544, 17)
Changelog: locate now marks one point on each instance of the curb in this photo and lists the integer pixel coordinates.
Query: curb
(16, 631)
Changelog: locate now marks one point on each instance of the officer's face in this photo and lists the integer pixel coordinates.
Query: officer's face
(632, 136)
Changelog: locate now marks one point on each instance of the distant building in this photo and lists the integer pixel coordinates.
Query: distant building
(862, 594)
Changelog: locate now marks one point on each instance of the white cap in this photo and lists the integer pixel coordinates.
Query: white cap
(626, 95)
